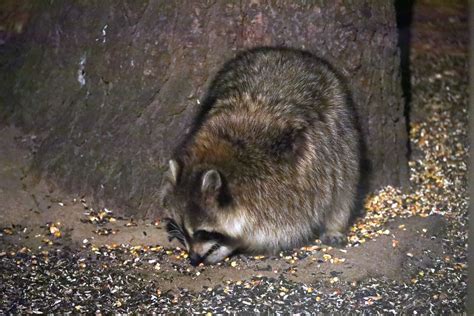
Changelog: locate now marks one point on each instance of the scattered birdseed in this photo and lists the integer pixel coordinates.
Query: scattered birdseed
(102, 231)
(7, 231)
(53, 229)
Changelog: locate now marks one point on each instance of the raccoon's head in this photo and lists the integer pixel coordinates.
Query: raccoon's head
(196, 202)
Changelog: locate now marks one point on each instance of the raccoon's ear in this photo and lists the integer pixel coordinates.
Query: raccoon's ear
(173, 171)
(211, 182)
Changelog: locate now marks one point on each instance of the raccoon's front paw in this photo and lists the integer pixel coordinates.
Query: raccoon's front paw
(334, 239)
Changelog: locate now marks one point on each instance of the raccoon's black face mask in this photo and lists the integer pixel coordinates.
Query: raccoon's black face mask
(187, 221)
(203, 246)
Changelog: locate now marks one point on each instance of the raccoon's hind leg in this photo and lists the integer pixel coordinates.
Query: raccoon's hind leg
(336, 221)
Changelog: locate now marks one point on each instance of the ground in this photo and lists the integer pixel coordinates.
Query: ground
(408, 253)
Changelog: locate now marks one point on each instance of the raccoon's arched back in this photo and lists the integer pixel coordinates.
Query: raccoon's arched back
(264, 73)
(261, 107)
(267, 71)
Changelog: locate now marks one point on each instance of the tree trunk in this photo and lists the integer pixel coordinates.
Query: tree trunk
(109, 86)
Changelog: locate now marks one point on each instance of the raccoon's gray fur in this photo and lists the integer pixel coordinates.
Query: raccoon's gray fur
(273, 160)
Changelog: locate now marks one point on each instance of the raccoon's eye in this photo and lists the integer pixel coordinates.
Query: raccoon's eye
(203, 235)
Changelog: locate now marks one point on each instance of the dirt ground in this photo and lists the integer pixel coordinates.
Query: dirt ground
(29, 207)
(407, 254)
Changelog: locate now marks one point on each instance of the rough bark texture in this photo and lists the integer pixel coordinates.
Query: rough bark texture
(109, 86)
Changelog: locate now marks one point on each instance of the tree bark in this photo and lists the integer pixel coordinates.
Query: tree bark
(109, 86)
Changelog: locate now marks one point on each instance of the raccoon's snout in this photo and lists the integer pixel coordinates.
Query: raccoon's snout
(201, 252)
(195, 259)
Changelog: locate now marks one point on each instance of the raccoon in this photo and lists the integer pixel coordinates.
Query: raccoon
(271, 163)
